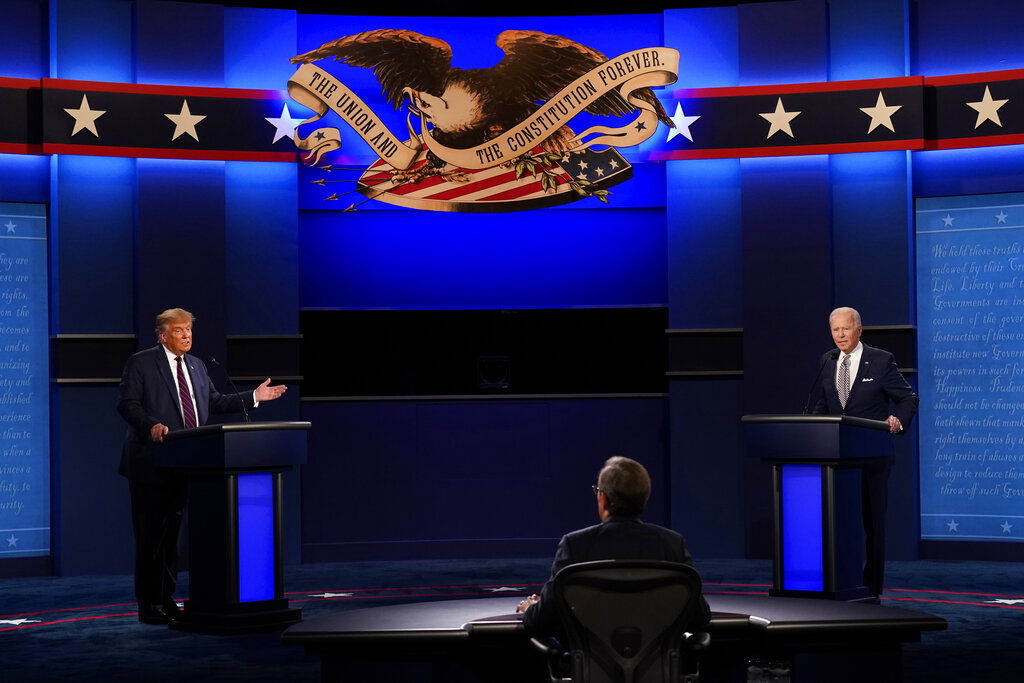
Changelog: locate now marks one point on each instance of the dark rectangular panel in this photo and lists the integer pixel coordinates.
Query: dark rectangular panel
(484, 352)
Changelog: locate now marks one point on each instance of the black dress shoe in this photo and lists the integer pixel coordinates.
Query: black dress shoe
(172, 610)
(156, 616)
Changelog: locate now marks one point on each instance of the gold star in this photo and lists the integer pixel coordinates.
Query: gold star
(185, 122)
(85, 118)
(881, 114)
(988, 109)
(780, 119)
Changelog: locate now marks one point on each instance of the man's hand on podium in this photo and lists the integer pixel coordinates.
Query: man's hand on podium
(157, 431)
(894, 423)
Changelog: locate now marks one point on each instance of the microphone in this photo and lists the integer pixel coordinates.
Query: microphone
(211, 359)
(832, 356)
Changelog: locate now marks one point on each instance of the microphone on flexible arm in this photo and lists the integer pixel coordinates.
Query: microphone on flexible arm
(211, 359)
(832, 356)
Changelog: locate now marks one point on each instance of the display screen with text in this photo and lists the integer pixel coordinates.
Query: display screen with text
(970, 274)
(24, 382)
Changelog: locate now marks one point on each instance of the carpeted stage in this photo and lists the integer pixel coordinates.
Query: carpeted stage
(85, 628)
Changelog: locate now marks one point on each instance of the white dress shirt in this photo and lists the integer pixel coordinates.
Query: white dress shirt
(171, 360)
(854, 364)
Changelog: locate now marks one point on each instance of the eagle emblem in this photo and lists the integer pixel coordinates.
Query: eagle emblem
(505, 127)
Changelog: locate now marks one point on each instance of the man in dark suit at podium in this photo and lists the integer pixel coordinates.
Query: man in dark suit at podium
(622, 490)
(865, 382)
(164, 389)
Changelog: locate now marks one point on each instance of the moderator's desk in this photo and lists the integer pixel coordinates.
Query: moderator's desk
(483, 640)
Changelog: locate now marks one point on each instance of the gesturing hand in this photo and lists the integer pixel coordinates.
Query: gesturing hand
(265, 392)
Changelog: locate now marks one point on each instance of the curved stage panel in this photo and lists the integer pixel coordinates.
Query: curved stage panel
(483, 640)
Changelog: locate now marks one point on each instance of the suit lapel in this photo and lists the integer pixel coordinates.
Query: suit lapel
(833, 391)
(862, 372)
(164, 369)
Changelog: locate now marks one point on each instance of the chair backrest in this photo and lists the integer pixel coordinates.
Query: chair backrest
(625, 619)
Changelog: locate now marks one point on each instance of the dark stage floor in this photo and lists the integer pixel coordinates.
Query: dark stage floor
(85, 629)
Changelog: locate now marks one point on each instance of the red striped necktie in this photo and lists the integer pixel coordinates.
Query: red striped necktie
(188, 410)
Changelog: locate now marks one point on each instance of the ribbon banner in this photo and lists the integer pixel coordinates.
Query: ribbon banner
(318, 90)
(643, 68)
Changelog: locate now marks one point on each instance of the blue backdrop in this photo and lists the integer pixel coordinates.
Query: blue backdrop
(755, 251)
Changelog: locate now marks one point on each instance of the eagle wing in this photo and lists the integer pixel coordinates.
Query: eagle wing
(541, 64)
(399, 59)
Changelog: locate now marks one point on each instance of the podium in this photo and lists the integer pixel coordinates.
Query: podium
(816, 461)
(236, 565)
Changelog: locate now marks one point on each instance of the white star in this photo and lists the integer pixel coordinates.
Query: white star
(1001, 217)
(780, 119)
(1006, 526)
(583, 165)
(614, 164)
(988, 109)
(504, 589)
(285, 125)
(881, 114)
(185, 122)
(1006, 601)
(85, 118)
(582, 176)
(331, 595)
(682, 122)
(10, 227)
(953, 525)
(599, 171)
(12, 541)
(947, 221)
(19, 622)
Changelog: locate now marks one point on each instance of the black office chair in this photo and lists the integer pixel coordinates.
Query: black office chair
(626, 621)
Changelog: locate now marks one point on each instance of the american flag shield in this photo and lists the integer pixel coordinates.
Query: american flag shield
(545, 180)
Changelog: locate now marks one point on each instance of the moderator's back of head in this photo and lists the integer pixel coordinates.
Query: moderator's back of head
(625, 619)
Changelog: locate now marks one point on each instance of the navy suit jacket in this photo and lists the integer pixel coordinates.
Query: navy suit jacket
(617, 538)
(149, 396)
(878, 391)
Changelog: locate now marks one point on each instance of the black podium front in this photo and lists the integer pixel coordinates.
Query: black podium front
(236, 565)
(816, 464)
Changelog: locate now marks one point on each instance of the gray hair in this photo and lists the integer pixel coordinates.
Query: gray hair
(625, 484)
(845, 310)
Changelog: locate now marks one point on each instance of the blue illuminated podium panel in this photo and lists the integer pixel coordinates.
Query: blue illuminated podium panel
(236, 566)
(816, 460)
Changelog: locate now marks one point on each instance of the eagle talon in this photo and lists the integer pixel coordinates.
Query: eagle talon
(434, 167)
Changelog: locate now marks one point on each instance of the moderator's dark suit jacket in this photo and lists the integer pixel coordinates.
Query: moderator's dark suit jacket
(877, 385)
(149, 396)
(617, 538)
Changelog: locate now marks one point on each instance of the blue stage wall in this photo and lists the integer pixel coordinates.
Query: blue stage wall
(131, 237)
(422, 478)
(766, 246)
(433, 260)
